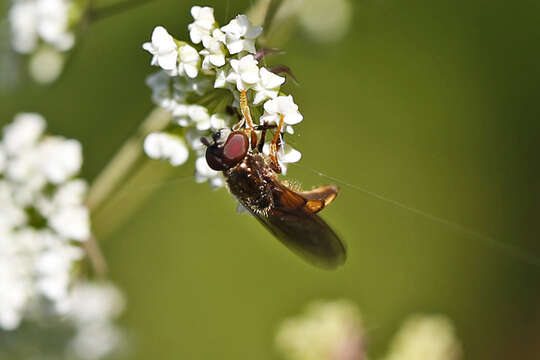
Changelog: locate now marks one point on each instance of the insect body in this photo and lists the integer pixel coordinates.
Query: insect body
(289, 215)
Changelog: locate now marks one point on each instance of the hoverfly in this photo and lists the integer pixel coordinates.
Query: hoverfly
(252, 177)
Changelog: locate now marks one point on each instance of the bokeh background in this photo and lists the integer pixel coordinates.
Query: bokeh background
(431, 104)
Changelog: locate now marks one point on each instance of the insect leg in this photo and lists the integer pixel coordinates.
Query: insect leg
(244, 107)
(275, 146)
(262, 139)
(263, 128)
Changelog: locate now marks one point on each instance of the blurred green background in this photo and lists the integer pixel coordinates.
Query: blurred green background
(432, 104)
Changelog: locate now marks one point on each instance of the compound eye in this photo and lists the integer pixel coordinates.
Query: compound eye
(214, 159)
(235, 148)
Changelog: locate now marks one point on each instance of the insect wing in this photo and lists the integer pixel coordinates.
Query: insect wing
(302, 231)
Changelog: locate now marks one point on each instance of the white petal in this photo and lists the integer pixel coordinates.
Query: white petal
(270, 80)
(290, 155)
(23, 132)
(293, 118)
(148, 47)
(269, 118)
(160, 36)
(272, 106)
(191, 71)
(235, 46)
(168, 61)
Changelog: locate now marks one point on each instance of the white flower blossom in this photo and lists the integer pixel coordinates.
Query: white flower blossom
(203, 25)
(241, 35)
(22, 18)
(72, 222)
(60, 158)
(163, 48)
(281, 106)
(221, 78)
(23, 132)
(160, 145)
(214, 51)
(15, 284)
(52, 24)
(180, 90)
(38, 222)
(425, 337)
(185, 86)
(219, 121)
(245, 73)
(326, 330)
(92, 308)
(268, 86)
(186, 115)
(47, 20)
(159, 82)
(286, 155)
(46, 65)
(189, 61)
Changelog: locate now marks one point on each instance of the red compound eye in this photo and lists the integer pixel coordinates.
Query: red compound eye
(235, 148)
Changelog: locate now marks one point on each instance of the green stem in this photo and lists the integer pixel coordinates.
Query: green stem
(124, 162)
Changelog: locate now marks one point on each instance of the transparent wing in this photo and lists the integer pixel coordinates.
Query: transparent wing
(294, 222)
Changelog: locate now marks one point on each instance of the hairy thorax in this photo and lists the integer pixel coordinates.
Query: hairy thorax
(251, 183)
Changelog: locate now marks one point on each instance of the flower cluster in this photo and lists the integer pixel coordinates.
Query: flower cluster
(333, 330)
(91, 309)
(330, 330)
(425, 337)
(42, 216)
(43, 224)
(43, 28)
(200, 84)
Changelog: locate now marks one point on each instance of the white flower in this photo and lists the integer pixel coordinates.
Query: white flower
(3, 160)
(93, 302)
(53, 21)
(46, 65)
(60, 158)
(281, 105)
(15, 285)
(187, 115)
(159, 82)
(72, 222)
(241, 35)
(184, 86)
(193, 138)
(38, 223)
(425, 337)
(160, 145)
(45, 19)
(23, 132)
(326, 330)
(53, 267)
(68, 195)
(219, 121)
(189, 61)
(221, 78)
(199, 115)
(286, 155)
(92, 308)
(203, 25)
(163, 48)
(23, 18)
(268, 86)
(245, 72)
(203, 173)
(213, 52)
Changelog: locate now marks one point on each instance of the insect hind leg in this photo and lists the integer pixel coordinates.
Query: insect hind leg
(275, 146)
